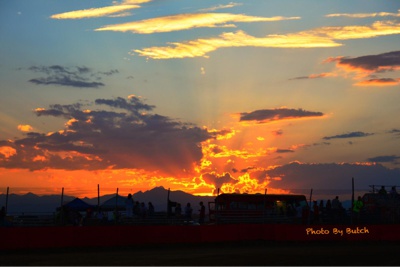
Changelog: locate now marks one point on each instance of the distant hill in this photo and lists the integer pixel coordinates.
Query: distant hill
(31, 203)
(159, 196)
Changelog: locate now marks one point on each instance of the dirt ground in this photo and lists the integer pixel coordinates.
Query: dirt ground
(217, 254)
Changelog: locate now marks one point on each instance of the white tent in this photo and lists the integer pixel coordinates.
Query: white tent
(79, 205)
(116, 201)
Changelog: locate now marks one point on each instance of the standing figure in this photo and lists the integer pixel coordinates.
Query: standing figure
(151, 209)
(202, 214)
(178, 210)
(393, 192)
(143, 210)
(315, 212)
(336, 209)
(321, 205)
(357, 206)
(129, 206)
(188, 212)
(382, 191)
(328, 205)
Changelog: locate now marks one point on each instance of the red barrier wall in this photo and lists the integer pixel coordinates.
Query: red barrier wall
(92, 236)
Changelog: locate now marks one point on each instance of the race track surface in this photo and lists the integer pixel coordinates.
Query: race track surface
(216, 254)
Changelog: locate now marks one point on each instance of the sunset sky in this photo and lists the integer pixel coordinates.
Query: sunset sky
(198, 95)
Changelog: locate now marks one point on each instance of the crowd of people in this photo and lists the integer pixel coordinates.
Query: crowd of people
(140, 210)
(329, 211)
(333, 210)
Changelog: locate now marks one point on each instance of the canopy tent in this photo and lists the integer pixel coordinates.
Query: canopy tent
(78, 205)
(116, 201)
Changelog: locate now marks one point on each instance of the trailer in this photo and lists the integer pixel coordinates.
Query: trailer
(258, 208)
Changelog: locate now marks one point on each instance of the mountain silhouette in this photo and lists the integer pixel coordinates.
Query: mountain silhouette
(31, 204)
(159, 197)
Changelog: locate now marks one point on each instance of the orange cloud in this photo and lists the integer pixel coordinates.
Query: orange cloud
(379, 82)
(319, 37)
(201, 47)
(365, 15)
(316, 76)
(278, 132)
(115, 10)
(220, 151)
(25, 128)
(185, 21)
(94, 12)
(7, 151)
(363, 68)
(322, 75)
(378, 28)
(230, 5)
(370, 65)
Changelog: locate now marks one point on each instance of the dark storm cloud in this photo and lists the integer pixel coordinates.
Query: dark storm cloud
(382, 80)
(65, 81)
(300, 78)
(266, 115)
(49, 112)
(66, 111)
(321, 144)
(385, 61)
(331, 176)
(395, 132)
(313, 76)
(379, 82)
(134, 104)
(218, 180)
(391, 158)
(347, 135)
(81, 77)
(128, 136)
(108, 73)
(284, 151)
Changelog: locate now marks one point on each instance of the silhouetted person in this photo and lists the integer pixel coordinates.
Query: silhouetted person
(357, 207)
(89, 213)
(382, 191)
(315, 212)
(305, 215)
(202, 213)
(328, 205)
(178, 210)
(129, 206)
(136, 209)
(151, 209)
(100, 215)
(188, 212)
(321, 205)
(393, 192)
(143, 210)
(336, 209)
